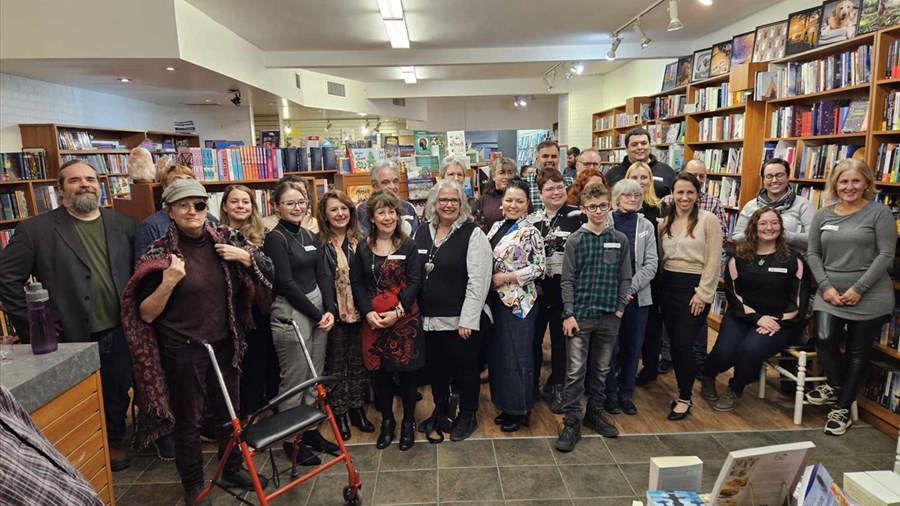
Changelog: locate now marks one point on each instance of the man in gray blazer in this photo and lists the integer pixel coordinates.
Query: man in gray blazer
(83, 256)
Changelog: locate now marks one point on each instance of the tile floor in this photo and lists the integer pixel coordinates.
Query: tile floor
(519, 471)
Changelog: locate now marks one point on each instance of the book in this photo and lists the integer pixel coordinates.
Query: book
(676, 473)
(873, 488)
(817, 488)
(856, 117)
(764, 475)
(674, 498)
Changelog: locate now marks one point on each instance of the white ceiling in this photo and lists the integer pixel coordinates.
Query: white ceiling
(463, 72)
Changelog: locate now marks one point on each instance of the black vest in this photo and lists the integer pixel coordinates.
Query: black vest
(444, 288)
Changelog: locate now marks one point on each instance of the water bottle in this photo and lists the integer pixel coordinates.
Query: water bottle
(40, 320)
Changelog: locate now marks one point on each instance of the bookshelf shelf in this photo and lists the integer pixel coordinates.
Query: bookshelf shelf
(830, 137)
(714, 321)
(714, 143)
(886, 133)
(802, 180)
(821, 52)
(888, 82)
(887, 184)
(812, 97)
(722, 174)
(12, 221)
(883, 414)
(94, 151)
(716, 112)
(671, 119)
(887, 350)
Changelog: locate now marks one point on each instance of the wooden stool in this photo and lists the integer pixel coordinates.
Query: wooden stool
(806, 360)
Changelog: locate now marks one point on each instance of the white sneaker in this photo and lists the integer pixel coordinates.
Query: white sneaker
(822, 394)
(838, 422)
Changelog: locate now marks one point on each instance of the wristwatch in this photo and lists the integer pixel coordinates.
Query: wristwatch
(567, 314)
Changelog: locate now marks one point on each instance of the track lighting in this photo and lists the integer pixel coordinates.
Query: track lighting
(378, 126)
(520, 101)
(327, 126)
(575, 68)
(611, 54)
(645, 41)
(674, 22)
(365, 128)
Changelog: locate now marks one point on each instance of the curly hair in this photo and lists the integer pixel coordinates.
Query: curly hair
(746, 249)
(574, 198)
(253, 230)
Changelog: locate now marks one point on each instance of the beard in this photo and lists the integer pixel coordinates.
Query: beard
(82, 201)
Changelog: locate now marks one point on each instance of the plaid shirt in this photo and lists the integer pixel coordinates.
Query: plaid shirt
(535, 194)
(709, 203)
(33, 471)
(596, 273)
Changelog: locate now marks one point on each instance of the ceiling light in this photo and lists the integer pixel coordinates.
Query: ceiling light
(378, 126)
(520, 101)
(363, 114)
(124, 80)
(409, 74)
(611, 54)
(236, 99)
(397, 33)
(576, 68)
(390, 9)
(170, 69)
(645, 41)
(674, 22)
(706, 2)
(569, 76)
(328, 126)
(208, 100)
(365, 128)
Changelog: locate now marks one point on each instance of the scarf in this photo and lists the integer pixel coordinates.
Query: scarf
(782, 204)
(346, 308)
(155, 416)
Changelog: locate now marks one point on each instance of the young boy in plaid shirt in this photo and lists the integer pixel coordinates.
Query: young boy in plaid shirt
(596, 276)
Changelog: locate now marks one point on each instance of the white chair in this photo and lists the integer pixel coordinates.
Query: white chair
(806, 364)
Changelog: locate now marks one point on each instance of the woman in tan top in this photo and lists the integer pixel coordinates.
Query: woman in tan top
(691, 255)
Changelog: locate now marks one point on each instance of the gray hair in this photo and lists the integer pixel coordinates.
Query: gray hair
(626, 186)
(589, 150)
(465, 212)
(451, 161)
(382, 164)
(60, 178)
(500, 162)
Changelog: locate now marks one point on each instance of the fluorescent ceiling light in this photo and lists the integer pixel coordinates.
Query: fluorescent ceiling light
(409, 74)
(397, 33)
(390, 9)
(408, 70)
(674, 22)
(706, 2)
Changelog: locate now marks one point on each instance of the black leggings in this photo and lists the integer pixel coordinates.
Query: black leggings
(454, 359)
(682, 326)
(385, 390)
(848, 371)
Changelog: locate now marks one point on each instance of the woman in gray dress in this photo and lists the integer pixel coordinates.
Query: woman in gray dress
(851, 248)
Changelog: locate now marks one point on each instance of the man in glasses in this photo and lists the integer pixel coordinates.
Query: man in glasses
(82, 254)
(588, 159)
(637, 149)
(385, 175)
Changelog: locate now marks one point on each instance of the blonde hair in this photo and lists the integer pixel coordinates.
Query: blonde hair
(850, 164)
(253, 230)
(650, 197)
(168, 171)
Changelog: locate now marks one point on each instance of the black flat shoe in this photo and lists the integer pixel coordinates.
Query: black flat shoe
(500, 419)
(388, 431)
(343, 426)
(407, 435)
(314, 439)
(673, 416)
(358, 419)
(514, 423)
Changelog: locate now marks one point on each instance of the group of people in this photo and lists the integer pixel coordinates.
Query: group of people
(384, 300)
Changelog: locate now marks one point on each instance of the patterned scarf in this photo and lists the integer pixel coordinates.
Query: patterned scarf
(346, 308)
(782, 204)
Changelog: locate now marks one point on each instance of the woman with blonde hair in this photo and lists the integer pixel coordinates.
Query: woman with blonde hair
(652, 208)
(851, 248)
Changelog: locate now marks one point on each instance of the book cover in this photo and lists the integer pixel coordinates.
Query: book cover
(720, 62)
(669, 77)
(839, 20)
(391, 147)
(742, 48)
(770, 42)
(674, 498)
(683, 75)
(422, 142)
(772, 472)
(701, 65)
(803, 30)
(856, 117)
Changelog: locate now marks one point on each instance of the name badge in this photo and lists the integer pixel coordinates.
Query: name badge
(407, 217)
(779, 270)
(309, 248)
(560, 233)
(833, 228)
(396, 257)
(423, 251)
(658, 178)
(612, 245)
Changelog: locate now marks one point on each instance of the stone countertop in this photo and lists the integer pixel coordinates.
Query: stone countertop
(35, 380)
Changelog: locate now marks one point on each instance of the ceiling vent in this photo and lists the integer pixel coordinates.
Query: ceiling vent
(297, 82)
(336, 89)
(400, 102)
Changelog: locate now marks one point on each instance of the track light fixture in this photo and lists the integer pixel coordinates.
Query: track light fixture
(328, 126)
(645, 41)
(576, 68)
(236, 99)
(674, 22)
(520, 101)
(706, 2)
(611, 54)
(378, 127)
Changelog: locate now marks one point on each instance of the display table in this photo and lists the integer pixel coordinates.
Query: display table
(62, 392)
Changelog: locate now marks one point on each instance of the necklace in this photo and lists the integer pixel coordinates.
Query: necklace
(429, 265)
(762, 258)
(294, 236)
(380, 271)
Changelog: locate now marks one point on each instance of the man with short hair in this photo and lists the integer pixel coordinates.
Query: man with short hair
(82, 254)
(637, 149)
(386, 176)
(547, 158)
(588, 159)
(571, 157)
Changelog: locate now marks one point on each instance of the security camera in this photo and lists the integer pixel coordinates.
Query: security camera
(236, 99)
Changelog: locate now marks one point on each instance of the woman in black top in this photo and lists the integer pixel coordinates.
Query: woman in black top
(767, 289)
(387, 273)
(305, 294)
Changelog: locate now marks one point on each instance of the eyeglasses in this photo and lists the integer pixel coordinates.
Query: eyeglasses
(448, 202)
(630, 195)
(505, 172)
(594, 208)
(781, 176)
(555, 189)
(591, 164)
(294, 203)
(199, 205)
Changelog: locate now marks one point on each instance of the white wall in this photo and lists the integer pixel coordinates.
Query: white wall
(488, 113)
(585, 98)
(29, 101)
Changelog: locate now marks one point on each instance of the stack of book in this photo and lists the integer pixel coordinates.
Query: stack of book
(890, 333)
(721, 128)
(892, 68)
(887, 163)
(832, 72)
(816, 162)
(46, 198)
(721, 161)
(826, 117)
(5, 235)
(105, 164)
(27, 164)
(883, 386)
(891, 118)
(716, 97)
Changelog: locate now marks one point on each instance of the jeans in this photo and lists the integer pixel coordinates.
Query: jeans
(510, 359)
(739, 345)
(595, 339)
(294, 368)
(627, 352)
(682, 326)
(116, 379)
(192, 384)
(848, 371)
(549, 314)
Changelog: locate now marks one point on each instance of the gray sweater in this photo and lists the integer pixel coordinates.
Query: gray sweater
(854, 251)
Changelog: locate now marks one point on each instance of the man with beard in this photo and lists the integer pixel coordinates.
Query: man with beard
(571, 157)
(637, 149)
(83, 256)
(547, 158)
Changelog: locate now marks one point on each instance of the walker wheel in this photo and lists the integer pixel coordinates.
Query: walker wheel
(357, 499)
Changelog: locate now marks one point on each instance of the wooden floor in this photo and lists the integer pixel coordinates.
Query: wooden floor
(652, 401)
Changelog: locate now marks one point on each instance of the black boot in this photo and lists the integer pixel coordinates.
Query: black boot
(305, 458)
(343, 426)
(388, 431)
(358, 419)
(464, 426)
(314, 439)
(407, 435)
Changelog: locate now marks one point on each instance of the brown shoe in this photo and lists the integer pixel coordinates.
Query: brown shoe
(708, 389)
(119, 459)
(728, 401)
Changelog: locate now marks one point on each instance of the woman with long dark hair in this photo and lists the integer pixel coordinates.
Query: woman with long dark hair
(767, 290)
(387, 271)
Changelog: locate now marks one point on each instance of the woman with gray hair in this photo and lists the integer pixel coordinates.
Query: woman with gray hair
(627, 199)
(457, 264)
(488, 209)
(454, 168)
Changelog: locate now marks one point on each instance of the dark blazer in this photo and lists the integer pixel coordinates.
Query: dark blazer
(48, 247)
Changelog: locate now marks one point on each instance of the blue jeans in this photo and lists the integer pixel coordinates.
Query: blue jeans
(595, 339)
(627, 352)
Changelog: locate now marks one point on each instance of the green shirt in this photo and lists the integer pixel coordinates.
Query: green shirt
(104, 297)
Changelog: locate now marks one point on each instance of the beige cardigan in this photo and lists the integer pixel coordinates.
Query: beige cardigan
(701, 254)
